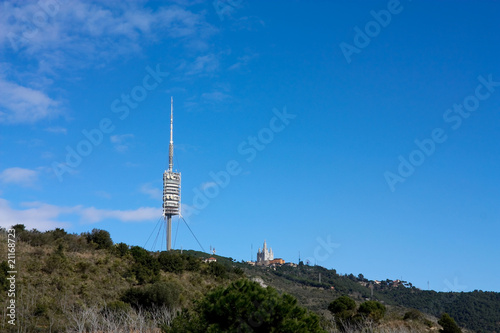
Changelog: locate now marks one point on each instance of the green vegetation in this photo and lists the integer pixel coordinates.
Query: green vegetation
(448, 324)
(373, 310)
(85, 283)
(245, 306)
(101, 238)
(343, 308)
(477, 310)
(159, 294)
(344, 311)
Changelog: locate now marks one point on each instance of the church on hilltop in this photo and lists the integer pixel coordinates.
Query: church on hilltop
(264, 255)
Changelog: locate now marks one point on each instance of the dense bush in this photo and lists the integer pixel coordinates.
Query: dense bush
(101, 238)
(217, 270)
(343, 309)
(171, 262)
(448, 324)
(175, 262)
(145, 267)
(245, 306)
(372, 309)
(121, 249)
(159, 294)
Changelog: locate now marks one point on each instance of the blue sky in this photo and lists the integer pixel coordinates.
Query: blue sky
(364, 135)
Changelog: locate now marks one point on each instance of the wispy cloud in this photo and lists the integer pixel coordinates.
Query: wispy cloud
(44, 216)
(121, 142)
(93, 215)
(215, 96)
(91, 31)
(20, 104)
(205, 64)
(152, 192)
(19, 176)
(242, 62)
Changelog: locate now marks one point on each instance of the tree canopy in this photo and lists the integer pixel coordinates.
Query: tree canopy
(245, 306)
(449, 325)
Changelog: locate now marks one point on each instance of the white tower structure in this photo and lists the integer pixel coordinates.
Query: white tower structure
(264, 254)
(171, 184)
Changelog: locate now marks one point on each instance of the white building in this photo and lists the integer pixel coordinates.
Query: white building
(264, 255)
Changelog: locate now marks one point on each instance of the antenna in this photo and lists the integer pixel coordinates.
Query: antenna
(171, 184)
(171, 145)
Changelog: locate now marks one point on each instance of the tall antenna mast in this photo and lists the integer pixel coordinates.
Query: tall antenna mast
(171, 184)
(171, 145)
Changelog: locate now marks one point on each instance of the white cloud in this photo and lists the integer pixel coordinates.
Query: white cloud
(44, 216)
(20, 104)
(121, 142)
(153, 192)
(93, 215)
(19, 176)
(94, 30)
(39, 216)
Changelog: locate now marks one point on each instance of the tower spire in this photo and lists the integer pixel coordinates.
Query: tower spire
(171, 146)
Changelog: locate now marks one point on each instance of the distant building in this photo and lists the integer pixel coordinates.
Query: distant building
(264, 255)
(277, 261)
(211, 259)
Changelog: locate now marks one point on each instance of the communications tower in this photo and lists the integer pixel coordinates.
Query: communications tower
(171, 185)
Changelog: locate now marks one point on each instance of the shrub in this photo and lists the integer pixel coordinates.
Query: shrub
(372, 309)
(171, 262)
(121, 249)
(217, 269)
(158, 294)
(343, 304)
(448, 324)
(413, 314)
(245, 306)
(116, 307)
(343, 308)
(101, 238)
(145, 267)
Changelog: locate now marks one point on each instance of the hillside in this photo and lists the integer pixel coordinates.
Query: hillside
(72, 283)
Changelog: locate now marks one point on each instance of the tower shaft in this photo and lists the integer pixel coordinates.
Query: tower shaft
(169, 232)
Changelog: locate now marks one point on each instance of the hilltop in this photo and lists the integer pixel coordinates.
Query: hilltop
(72, 283)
